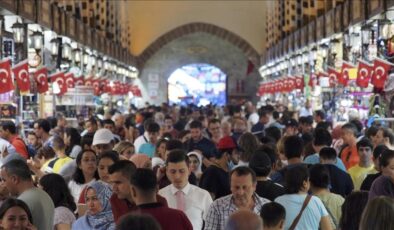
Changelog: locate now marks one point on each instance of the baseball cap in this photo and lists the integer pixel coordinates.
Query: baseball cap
(226, 143)
(102, 136)
(291, 122)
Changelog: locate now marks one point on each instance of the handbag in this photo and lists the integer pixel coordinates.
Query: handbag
(298, 217)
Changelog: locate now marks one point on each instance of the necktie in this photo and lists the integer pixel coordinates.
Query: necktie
(180, 200)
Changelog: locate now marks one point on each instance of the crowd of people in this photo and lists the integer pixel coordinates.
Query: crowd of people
(173, 168)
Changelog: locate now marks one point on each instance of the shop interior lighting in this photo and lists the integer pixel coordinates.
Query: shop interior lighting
(66, 51)
(19, 32)
(85, 58)
(93, 60)
(77, 55)
(324, 50)
(99, 63)
(366, 34)
(384, 27)
(54, 43)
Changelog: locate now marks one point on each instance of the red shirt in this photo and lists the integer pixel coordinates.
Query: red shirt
(168, 218)
(349, 156)
(20, 146)
(121, 207)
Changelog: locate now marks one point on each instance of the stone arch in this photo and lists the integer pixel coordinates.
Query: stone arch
(190, 28)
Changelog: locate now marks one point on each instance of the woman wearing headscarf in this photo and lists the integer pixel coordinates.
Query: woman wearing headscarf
(195, 160)
(99, 215)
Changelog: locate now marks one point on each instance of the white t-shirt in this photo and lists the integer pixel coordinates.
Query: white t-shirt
(76, 189)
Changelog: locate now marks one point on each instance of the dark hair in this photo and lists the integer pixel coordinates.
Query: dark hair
(357, 124)
(378, 215)
(58, 143)
(257, 163)
(52, 121)
(322, 137)
(8, 125)
(108, 122)
(153, 127)
(176, 156)
(272, 213)
(295, 178)
(92, 120)
(273, 132)
(365, 142)
(125, 167)
(352, 209)
(271, 152)
(321, 114)
(57, 189)
(87, 139)
(385, 158)
(12, 202)
(111, 154)
(44, 124)
(75, 138)
(174, 144)
(249, 143)
(275, 115)
(183, 133)
(244, 171)
(78, 174)
(388, 133)
(377, 152)
(293, 147)
(319, 176)
(195, 125)
(18, 168)
(45, 152)
(324, 125)
(308, 120)
(371, 131)
(138, 221)
(213, 120)
(350, 127)
(160, 141)
(144, 180)
(328, 153)
(32, 133)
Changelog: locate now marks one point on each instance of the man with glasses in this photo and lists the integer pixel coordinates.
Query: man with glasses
(365, 166)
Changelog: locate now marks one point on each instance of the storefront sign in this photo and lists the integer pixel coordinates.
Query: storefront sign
(27, 9)
(338, 19)
(44, 12)
(320, 28)
(375, 7)
(329, 22)
(358, 12)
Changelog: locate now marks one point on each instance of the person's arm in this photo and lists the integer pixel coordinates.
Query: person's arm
(63, 227)
(325, 223)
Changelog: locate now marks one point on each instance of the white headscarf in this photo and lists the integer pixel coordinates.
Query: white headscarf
(199, 157)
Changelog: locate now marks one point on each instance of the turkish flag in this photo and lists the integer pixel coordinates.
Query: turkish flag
(381, 71)
(70, 80)
(291, 81)
(88, 82)
(96, 87)
(41, 78)
(313, 81)
(364, 73)
(333, 76)
(79, 80)
(5, 76)
(344, 76)
(21, 75)
(299, 82)
(61, 81)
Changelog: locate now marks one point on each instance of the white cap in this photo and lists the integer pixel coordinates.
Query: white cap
(102, 136)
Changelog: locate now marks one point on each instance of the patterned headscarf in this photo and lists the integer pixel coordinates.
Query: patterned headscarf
(103, 220)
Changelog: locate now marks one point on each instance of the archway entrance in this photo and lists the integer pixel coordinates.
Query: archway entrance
(199, 84)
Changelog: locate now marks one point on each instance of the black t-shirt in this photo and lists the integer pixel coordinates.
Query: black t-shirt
(206, 146)
(216, 181)
(367, 183)
(341, 182)
(269, 189)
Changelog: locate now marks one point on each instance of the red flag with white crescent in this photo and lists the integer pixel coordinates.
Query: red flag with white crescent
(333, 76)
(70, 80)
(22, 76)
(41, 78)
(88, 82)
(381, 71)
(79, 80)
(61, 82)
(313, 81)
(96, 87)
(5, 76)
(344, 76)
(364, 73)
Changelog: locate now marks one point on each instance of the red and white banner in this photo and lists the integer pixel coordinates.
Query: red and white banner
(80, 81)
(381, 70)
(333, 76)
(344, 76)
(59, 79)
(364, 73)
(5, 76)
(22, 76)
(41, 78)
(70, 80)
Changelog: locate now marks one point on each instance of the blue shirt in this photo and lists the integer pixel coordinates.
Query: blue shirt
(147, 149)
(315, 159)
(310, 218)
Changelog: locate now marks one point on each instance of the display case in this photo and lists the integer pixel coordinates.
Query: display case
(8, 107)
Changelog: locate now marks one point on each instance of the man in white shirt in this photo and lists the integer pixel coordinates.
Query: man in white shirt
(144, 138)
(182, 195)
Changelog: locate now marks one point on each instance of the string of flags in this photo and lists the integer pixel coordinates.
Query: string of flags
(375, 73)
(19, 76)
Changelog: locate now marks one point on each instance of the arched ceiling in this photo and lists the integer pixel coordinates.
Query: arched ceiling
(149, 20)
